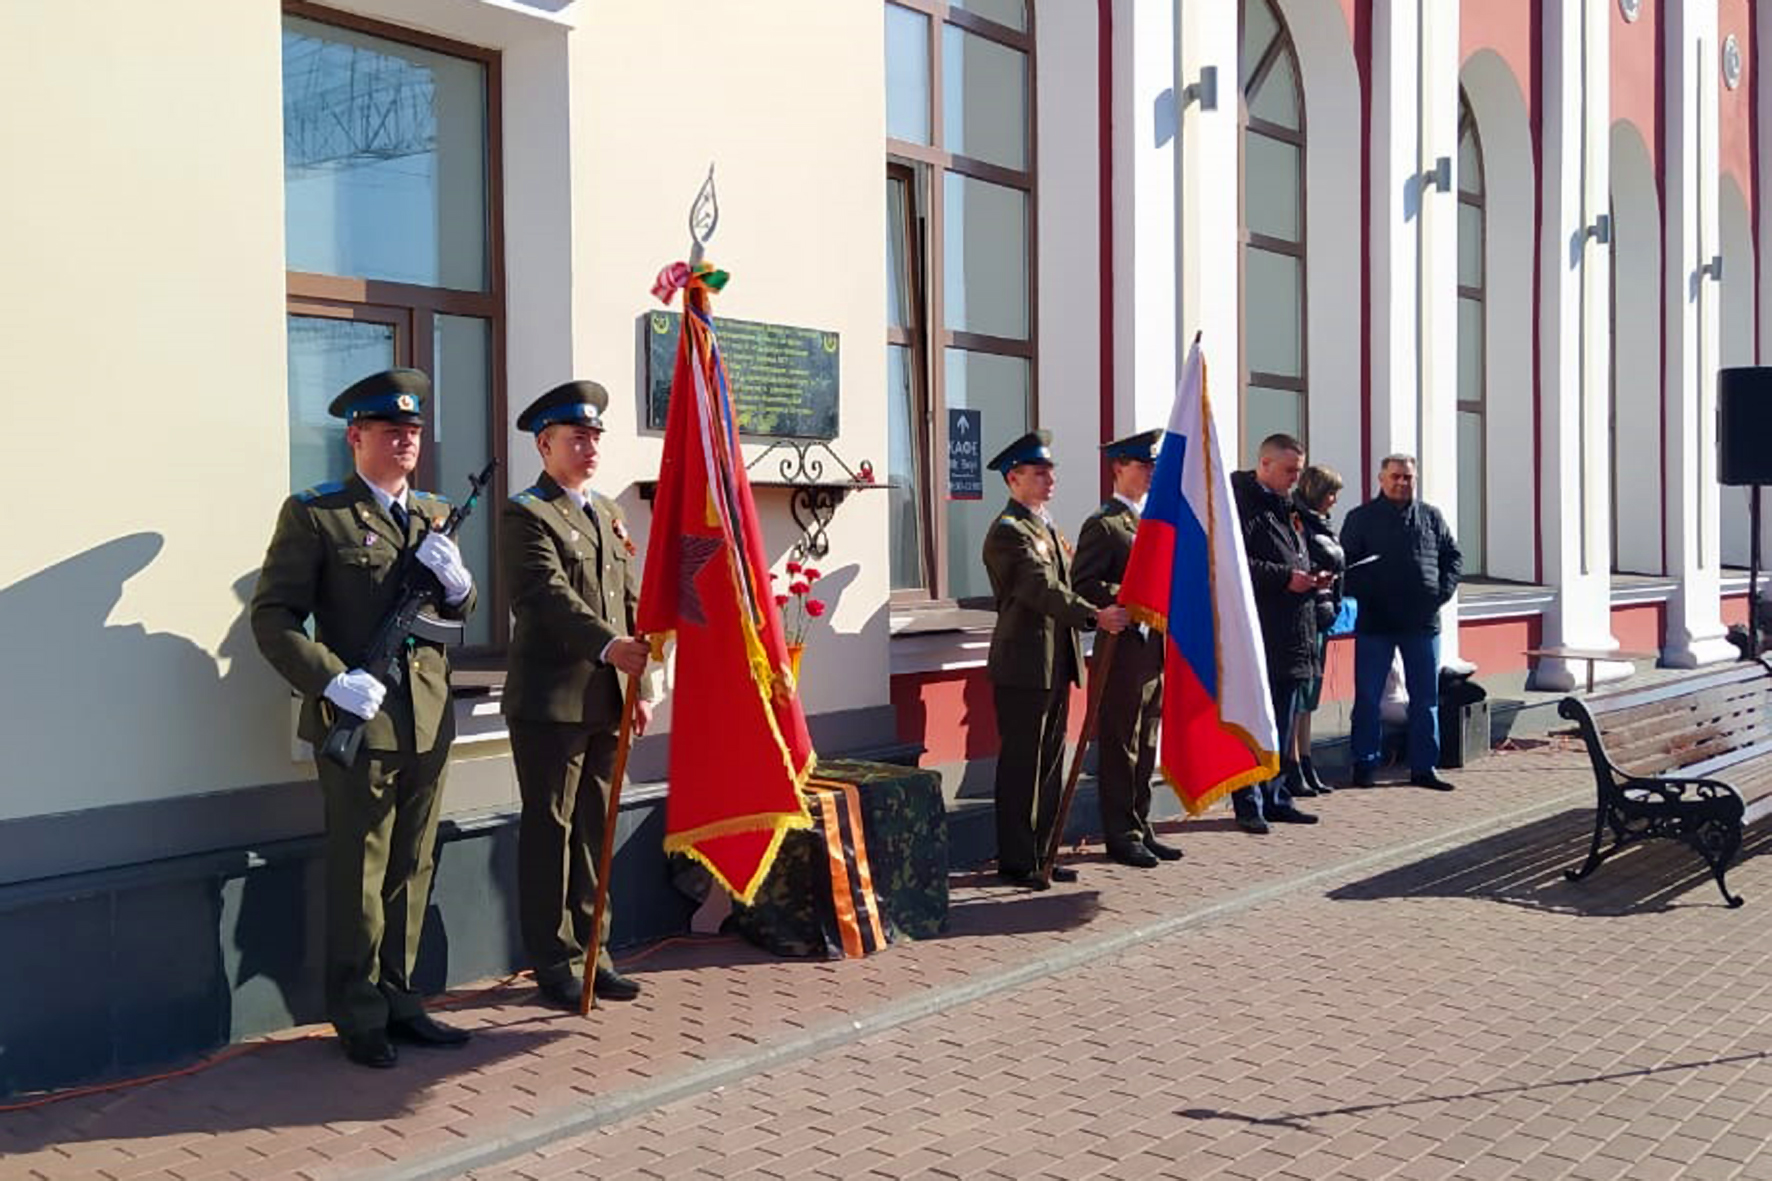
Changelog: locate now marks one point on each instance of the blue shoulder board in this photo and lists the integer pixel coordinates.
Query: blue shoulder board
(429, 496)
(309, 495)
(529, 495)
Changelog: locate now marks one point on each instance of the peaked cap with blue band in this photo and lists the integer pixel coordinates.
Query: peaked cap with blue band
(394, 395)
(1142, 447)
(579, 402)
(1033, 447)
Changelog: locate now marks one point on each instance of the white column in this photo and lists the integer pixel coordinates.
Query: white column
(1574, 373)
(1146, 102)
(1415, 250)
(1689, 168)
(1397, 119)
(1209, 142)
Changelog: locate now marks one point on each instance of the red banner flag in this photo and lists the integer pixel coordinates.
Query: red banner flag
(740, 752)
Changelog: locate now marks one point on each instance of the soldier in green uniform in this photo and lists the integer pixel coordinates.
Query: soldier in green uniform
(337, 557)
(565, 554)
(1035, 658)
(1132, 700)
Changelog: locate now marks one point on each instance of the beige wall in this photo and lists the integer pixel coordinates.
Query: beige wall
(141, 367)
(787, 99)
(142, 357)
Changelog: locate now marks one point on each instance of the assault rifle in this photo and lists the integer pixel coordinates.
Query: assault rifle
(403, 627)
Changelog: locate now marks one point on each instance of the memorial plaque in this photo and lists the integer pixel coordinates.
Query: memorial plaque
(784, 379)
(965, 457)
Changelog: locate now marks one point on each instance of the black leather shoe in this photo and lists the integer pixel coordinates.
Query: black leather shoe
(1137, 856)
(1028, 880)
(1307, 770)
(1161, 851)
(425, 1030)
(1362, 776)
(611, 985)
(1431, 781)
(1253, 824)
(1063, 873)
(1292, 775)
(1291, 816)
(369, 1049)
(568, 994)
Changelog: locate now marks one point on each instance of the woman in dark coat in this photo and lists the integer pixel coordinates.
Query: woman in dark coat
(1315, 496)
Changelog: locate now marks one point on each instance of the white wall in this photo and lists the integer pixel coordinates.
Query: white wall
(1509, 178)
(142, 344)
(142, 364)
(1636, 355)
(1068, 239)
(788, 101)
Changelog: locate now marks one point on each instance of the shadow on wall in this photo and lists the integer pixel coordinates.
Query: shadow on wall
(99, 713)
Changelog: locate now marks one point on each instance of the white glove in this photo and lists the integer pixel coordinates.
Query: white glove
(443, 558)
(356, 692)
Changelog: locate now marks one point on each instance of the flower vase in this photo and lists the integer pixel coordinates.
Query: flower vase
(794, 653)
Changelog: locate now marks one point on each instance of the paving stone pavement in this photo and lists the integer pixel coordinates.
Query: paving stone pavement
(1407, 990)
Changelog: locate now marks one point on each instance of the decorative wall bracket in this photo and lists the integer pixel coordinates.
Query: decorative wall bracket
(815, 490)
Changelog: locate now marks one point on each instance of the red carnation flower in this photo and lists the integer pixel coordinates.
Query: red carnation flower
(794, 567)
(814, 608)
(772, 576)
(781, 600)
(799, 588)
(812, 575)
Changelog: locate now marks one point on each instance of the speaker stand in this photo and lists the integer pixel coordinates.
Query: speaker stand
(1753, 573)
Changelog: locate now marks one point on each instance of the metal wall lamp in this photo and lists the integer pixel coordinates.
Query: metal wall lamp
(1440, 175)
(1205, 90)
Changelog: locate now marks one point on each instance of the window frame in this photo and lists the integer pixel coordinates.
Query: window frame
(1467, 121)
(1299, 138)
(413, 308)
(925, 166)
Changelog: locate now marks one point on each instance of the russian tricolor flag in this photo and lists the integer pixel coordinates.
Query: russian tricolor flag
(1189, 577)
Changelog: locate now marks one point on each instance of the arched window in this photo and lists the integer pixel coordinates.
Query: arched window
(960, 335)
(1472, 371)
(1275, 376)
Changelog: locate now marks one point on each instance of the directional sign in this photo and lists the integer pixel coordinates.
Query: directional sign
(965, 461)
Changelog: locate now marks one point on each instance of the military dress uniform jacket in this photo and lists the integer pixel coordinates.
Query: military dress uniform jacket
(1104, 546)
(1036, 608)
(337, 557)
(573, 590)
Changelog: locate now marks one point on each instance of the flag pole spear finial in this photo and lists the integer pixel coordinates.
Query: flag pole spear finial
(704, 216)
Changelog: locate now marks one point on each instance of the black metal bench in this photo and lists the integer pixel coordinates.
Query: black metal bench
(1688, 760)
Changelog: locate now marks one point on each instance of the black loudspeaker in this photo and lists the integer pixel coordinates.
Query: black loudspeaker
(1744, 425)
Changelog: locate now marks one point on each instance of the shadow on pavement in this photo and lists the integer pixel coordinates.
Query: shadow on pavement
(280, 1084)
(1301, 1121)
(1014, 912)
(1524, 867)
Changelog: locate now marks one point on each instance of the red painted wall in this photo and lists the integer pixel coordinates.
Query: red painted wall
(1636, 75)
(953, 716)
(1639, 628)
(1504, 26)
(1735, 108)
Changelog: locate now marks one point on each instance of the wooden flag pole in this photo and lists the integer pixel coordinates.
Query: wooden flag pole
(606, 855)
(1104, 657)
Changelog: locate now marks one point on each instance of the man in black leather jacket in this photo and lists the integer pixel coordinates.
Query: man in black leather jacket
(1285, 601)
(1400, 596)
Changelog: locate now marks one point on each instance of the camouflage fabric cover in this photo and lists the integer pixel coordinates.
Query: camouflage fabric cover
(904, 822)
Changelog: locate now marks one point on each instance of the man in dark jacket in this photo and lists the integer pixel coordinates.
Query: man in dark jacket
(1285, 602)
(1400, 593)
(1035, 658)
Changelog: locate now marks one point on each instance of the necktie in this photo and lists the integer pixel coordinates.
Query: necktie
(398, 512)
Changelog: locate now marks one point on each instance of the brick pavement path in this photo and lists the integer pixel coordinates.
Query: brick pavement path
(1408, 989)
